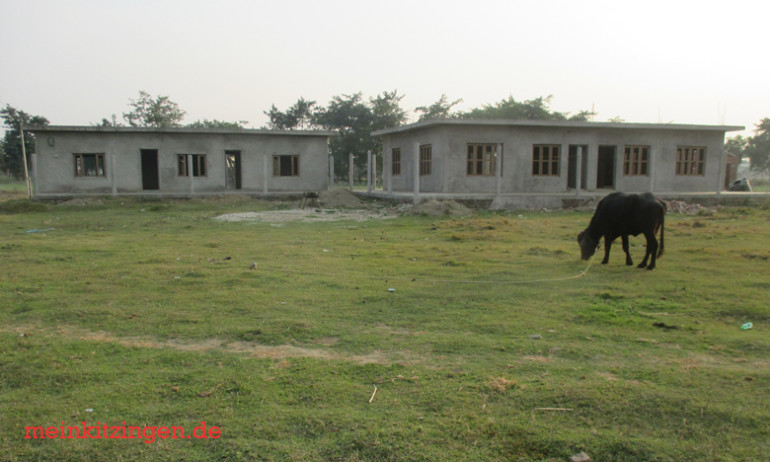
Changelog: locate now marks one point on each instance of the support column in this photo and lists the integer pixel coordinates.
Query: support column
(651, 169)
(264, 173)
(190, 171)
(389, 173)
(721, 177)
(113, 169)
(498, 169)
(35, 190)
(416, 174)
(331, 172)
(351, 170)
(578, 170)
(369, 171)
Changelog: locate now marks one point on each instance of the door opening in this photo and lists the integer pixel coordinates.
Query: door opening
(150, 180)
(605, 167)
(232, 170)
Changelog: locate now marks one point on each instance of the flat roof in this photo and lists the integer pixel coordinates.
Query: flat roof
(555, 124)
(178, 130)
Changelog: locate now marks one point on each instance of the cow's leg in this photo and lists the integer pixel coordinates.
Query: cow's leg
(652, 251)
(607, 245)
(629, 262)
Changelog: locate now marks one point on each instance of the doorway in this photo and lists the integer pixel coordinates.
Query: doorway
(605, 168)
(233, 170)
(150, 177)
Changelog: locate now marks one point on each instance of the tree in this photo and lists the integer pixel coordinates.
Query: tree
(300, 116)
(534, 109)
(12, 158)
(736, 146)
(355, 119)
(111, 122)
(205, 123)
(441, 109)
(758, 147)
(158, 112)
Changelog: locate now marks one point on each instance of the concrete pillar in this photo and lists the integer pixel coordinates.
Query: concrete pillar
(351, 170)
(651, 168)
(374, 171)
(387, 172)
(578, 170)
(498, 168)
(264, 173)
(330, 183)
(35, 184)
(113, 170)
(722, 165)
(190, 173)
(416, 174)
(369, 171)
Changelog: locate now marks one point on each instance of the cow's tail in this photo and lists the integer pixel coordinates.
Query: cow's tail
(662, 218)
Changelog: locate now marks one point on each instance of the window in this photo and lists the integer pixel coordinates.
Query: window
(286, 165)
(690, 160)
(636, 161)
(426, 154)
(395, 161)
(89, 165)
(482, 159)
(545, 159)
(198, 164)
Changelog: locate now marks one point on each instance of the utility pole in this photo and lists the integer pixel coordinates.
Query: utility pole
(24, 159)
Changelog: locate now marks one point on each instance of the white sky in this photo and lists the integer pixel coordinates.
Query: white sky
(77, 61)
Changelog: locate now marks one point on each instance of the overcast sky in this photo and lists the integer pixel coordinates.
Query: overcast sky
(76, 62)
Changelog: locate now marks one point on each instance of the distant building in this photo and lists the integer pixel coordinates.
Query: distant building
(495, 158)
(78, 161)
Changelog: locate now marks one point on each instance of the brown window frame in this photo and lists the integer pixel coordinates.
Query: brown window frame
(395, 161)
(99, 167)
(546, 160)
(286, 165)
(636, 160)
(481, 159)
(691, 160)
(426, 159)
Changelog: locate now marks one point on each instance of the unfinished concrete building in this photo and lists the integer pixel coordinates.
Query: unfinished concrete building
(541, 162)
(82, 161)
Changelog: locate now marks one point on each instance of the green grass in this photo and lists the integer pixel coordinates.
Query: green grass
(148, 313)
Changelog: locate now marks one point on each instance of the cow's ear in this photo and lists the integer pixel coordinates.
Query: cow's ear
(580, 236)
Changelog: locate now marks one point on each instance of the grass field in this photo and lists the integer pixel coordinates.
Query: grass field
(412, 338)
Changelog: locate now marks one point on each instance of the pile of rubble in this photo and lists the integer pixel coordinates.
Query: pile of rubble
(675, 206)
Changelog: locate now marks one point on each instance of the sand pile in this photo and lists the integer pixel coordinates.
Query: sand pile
(339, 198)
(435, 208)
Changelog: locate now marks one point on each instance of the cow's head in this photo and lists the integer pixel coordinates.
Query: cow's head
(587, 245)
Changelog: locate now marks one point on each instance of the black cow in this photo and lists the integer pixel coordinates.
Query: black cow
(621, 215)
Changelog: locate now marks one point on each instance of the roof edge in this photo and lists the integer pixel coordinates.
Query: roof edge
(180, 130)
(554, 123)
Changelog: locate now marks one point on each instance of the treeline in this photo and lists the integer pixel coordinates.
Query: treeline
(355, 118)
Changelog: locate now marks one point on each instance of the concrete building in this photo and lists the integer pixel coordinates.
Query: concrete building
(550, 160)
(81, 161)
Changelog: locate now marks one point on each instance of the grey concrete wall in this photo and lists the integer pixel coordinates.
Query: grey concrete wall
(55, 164)
(450, 147)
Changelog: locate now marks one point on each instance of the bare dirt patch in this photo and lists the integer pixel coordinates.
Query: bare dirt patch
(306, 215)
(255, 350)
